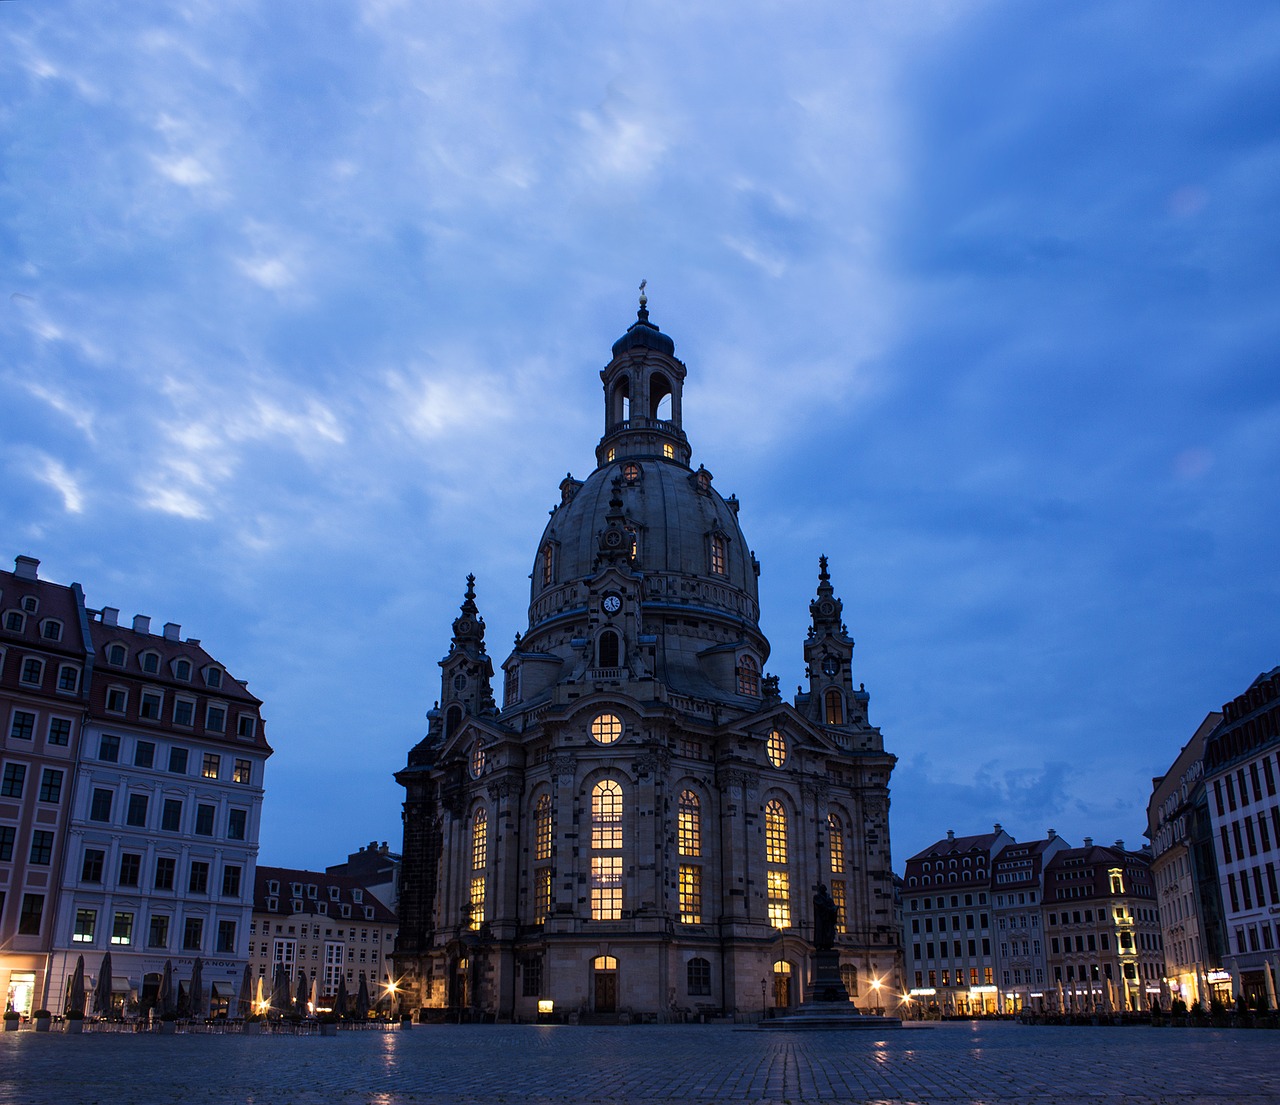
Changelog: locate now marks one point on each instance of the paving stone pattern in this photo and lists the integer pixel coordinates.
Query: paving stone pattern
(527, 1065)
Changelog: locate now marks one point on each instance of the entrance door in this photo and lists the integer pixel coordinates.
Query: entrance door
(605, 983)
(781, 984)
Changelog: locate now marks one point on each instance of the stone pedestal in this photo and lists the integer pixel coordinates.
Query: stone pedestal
(827, 986)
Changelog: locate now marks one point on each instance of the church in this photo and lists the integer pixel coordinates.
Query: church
(637, 830)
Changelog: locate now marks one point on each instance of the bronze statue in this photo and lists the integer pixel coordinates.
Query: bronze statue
(824, 919)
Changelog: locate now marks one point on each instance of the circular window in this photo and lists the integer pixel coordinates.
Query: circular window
(630, 472)
(776, 748)
(459, 681)
(606, 728)
(477, 760)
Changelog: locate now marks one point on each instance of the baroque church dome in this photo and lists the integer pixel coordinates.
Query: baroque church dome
(681, 566)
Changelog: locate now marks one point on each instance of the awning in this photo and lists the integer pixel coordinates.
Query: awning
(221, 989)
(121, 985)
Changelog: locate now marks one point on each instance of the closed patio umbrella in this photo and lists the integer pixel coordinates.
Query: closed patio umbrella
(75, 992)
(166, 999)
(362, 999)
(315, 994)
(280, 995)
(340, 997)
(244, 1004)
(197, 988)
(1062, 1004)
(102, 992)
(301, 997)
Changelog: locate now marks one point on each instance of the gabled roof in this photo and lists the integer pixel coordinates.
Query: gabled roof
(325, 885)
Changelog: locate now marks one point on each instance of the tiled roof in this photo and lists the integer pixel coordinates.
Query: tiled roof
(325, 885)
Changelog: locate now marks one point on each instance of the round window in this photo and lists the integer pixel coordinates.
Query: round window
(606, 728)
(459, 681)
(776, 748)
(630, 472)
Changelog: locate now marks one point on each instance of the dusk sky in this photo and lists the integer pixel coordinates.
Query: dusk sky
(304, 307)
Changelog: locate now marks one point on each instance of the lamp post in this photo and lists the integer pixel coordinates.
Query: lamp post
(763, 987)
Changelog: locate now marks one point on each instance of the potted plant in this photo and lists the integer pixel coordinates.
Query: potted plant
(73, 1021)
(43, 1019)
(12, 1018)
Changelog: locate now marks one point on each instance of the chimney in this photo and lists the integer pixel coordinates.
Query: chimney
(194, 641)
(24, 567)
(1120, 845)
(1088, 842)
(172, 631)
(999, 827)
(141, 623)
(1053, 834)
(951, 834)
(110, 615)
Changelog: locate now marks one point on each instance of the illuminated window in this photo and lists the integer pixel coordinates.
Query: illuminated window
(669, 451)
(835, 838)
(210, 766)
(477, 901)
(689, 824)
(779, 878)
(748, 676)
(606, 728)
(717, 555)
(781, 984)
(86, 922)
(606, 838)
(542, 828)
(835, 708)
(606, 888)
(480, 839)
(838, 896)
(775, 748)
(122, 928)
(541, 894)
(477, 760)
(690, 894)
(609, 456)
(631, 471)
(849, 976)
(606, 815)
(548, 564)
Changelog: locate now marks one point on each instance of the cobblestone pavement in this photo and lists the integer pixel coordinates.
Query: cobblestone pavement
(645, 1065)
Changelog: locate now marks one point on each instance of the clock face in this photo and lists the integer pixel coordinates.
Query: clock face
(611, 604)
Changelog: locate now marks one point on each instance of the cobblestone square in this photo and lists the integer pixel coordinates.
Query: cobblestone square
(954, 1062)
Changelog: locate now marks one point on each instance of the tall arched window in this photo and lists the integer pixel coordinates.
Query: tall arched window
(479, 858)
(542, 859)
(548, 556)
(839, 888)
(835, 708)
(606, 848)
(620, 407)
(698, 977)
(659, 397)
(608, 650)
(775, 855)
(689, 845)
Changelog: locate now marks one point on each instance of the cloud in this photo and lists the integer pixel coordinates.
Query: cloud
(54, 473)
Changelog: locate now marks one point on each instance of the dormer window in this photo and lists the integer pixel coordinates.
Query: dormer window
(718, 557)
(311, 891)
(30, 604)
(368, 913)
(357, 895)
(116, 655)
(273, 904)
(333, 893)
(51, 629)
(548, 561)
(150, 662)
(245, 726)
(296, 889)
(14, 620)
(273, 886)
(68, 678)
(151, 704)
(323, 908)
(748, 676)
(213, 677)
(182, 670)
(32, 671)
(296, 905)
(346, 910)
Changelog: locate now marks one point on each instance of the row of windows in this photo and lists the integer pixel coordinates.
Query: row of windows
(86, 931)
(151, 708)
(1249, 839)
(15, 620)
(179, 761)
(149, 660)
(1243, 891)
(22, 726)
(717, 554)
(914, 904)
(31, 673)
(138, 808)
(955, 950)
(163, 875)
(1225, 787)
(978, 976)
(14, 778)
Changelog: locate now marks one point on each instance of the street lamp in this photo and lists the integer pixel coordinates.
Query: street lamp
(763, 987)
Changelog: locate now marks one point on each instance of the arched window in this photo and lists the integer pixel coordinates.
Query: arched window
(689, 845)
(718, 555)
(781, 984)
(477, 760)
(689, 824)
(849, 976)
(835, 841)
(452, 719)
(748, 676)
(775, 854)
(548, 556)
(620, 401)
(835, 708)
(608, 650)
(606, 847)
(699, 977)
(542, 857)
(659, 397)
(479, 857)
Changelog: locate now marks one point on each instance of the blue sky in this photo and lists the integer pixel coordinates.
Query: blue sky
(304, 306)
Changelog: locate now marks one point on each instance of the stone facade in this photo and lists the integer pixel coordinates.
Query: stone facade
(639, 829)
